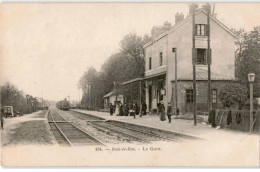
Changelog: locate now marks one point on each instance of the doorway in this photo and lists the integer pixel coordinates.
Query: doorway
(150, 97)
(189, 100)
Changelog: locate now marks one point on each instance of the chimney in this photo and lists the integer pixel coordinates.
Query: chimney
(178, 17)
(157, 30)
(167, 24)
(206, 8)
(192, 7)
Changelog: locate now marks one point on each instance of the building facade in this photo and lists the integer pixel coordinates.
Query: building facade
(170, 42)
(111, 97)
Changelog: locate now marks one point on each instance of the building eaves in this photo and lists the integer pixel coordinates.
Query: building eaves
(173, 28)
(109, 94)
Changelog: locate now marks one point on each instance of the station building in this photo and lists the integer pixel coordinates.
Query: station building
(159, 79)
(111, 97)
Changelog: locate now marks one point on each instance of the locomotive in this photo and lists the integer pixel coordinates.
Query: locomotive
(63, 105)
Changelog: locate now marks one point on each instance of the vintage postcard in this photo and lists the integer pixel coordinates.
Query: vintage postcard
(130, 84)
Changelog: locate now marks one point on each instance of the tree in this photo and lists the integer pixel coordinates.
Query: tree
(11, 96)
(233, 94)
(248, 56)
(127, 64)
(132, 46)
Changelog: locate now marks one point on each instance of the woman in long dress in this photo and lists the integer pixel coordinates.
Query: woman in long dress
(126, 109)
(111, 109)
(121, 112)
(162, 112)
(117, 110)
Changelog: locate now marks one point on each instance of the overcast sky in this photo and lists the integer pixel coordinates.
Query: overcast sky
(45, 48)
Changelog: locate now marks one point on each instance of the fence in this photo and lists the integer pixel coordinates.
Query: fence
(238, 122)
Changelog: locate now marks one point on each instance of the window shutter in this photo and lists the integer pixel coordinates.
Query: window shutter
(196, 29)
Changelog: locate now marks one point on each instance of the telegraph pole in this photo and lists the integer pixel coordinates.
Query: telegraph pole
(209, 60)
(115, 88)
(194, 66)
(176, 91)
(140, 98)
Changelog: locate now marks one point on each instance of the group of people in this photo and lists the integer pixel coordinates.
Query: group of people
(2, 118)
(131, 109)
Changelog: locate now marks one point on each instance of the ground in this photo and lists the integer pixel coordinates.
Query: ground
(217, 147)
(27, 129)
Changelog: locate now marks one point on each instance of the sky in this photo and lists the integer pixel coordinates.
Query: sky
(46, 47)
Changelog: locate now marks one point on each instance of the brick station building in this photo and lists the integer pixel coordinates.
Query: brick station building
(159, 79)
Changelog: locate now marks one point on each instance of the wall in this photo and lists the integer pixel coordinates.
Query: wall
(112, 98)
(202, 91)
(154, 52)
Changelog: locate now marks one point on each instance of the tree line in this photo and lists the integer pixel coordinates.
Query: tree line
(11, 96)
(122, 66)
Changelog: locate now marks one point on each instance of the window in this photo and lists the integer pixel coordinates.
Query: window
(150, 63)
(200, 29)
(189, 95)
(214, 96)
(161, 59)
(201, 57)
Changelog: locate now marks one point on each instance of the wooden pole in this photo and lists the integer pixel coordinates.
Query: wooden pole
(251, 107)
(140, 98)
(176, 87)
(124, 94)
(194, 67)
(114, 82)
(209, 61)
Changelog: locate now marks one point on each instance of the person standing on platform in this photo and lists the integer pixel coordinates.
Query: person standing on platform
(169, 112)
(111, 109)
(2, 118)
(131, 109)
(121, 112)
(126, 109)
(162, 112)
(136, 109)
(117, 109)
(144, 108)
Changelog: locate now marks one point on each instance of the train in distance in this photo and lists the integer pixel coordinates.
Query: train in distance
(63, 104)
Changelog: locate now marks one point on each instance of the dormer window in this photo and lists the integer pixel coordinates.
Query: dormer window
(201, 30)
(201, 57)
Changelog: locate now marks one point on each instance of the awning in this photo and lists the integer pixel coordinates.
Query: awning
(132, 81)
(202, 75)
(154, 75)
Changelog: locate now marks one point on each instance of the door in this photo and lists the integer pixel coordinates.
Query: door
(189, 100)
(150, 97)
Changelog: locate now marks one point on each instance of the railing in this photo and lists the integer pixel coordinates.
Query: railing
(240, 120)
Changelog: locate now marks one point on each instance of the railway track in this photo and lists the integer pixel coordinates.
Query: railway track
(121, 135)
(148, 132)
(140, 135)
(86, 117)
(68, 134)
(162, 134)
